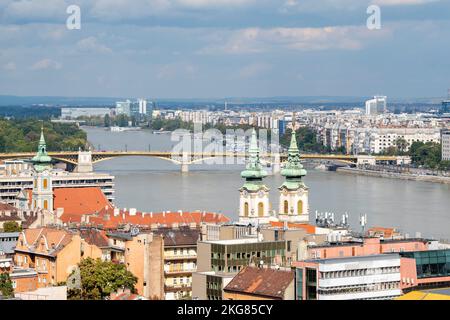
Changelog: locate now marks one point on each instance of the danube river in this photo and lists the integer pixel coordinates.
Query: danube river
(151, 184)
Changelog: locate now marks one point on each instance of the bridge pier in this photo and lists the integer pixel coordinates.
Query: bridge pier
(184, 168)
(185, 163)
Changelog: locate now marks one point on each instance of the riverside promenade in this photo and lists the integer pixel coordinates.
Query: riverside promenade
(395, 175)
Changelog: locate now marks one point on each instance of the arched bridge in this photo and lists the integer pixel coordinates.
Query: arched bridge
(187, 158)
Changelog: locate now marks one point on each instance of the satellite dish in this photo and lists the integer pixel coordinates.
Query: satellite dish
(134, 231)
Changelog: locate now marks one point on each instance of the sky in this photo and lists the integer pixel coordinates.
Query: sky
(225, 48)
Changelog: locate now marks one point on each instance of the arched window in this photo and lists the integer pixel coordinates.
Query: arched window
(300, 207)
(45, 204)
(246, 209)
(286, 207)
(261, 209)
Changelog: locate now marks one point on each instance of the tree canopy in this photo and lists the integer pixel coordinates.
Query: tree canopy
(11, 226)
(22, 135)
(101, 278)
(6, 288)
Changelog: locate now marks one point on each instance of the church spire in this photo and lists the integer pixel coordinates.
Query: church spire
(41, 160)
(293, 170)
(253, 173)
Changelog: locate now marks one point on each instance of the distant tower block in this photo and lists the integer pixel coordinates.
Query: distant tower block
(84, 162)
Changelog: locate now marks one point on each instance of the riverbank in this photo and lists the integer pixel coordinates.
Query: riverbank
(393, 175)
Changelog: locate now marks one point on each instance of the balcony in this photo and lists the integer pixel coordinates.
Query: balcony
(177, 287)
(179, 272)
(180, 257)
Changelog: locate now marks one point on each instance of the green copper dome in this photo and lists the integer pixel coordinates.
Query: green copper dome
(41, 160)
(254, 172)
(293, 170)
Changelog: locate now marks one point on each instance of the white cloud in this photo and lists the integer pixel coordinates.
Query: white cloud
(91, 44)
(45, 64)
(255, 40)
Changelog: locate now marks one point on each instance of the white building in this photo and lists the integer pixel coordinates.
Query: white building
(74, 113)
(354, 278)
(445, 140)
(376, 105)
(123, 107)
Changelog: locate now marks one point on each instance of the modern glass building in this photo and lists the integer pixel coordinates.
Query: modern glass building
(430, 264)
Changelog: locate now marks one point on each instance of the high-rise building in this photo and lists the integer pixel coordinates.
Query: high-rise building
(123, 107)
(376, 105)
(445, 142)
(446, 104)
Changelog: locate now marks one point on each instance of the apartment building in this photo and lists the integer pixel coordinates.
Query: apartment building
(365, 246)
(354, 278)
(445, 140)
(52, 253)
(180, 261)
(209, 285)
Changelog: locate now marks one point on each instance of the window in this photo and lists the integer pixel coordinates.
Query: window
(45, 183)
(246, 209)
(261, 209)
(45, 204)
(286, 207)
(300, 207)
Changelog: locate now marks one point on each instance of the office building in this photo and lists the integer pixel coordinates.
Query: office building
(74, 113)
(377, 105)
(445, 142)
(353, 278)
(123, 107)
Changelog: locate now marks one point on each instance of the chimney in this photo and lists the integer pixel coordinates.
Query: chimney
(116, 212)
(164, 214)
(151, 214)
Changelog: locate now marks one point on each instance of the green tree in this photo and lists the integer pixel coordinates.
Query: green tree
(401, 145)
(6, 288)
(107, 120)
(11, 226)
(101, 278)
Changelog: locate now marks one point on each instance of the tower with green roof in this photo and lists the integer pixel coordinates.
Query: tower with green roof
(293, 192)
(254, 194)
(42, 195)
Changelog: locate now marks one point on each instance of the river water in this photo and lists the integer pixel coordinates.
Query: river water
(151, 184)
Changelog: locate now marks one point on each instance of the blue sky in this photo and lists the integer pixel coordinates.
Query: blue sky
(225, 48)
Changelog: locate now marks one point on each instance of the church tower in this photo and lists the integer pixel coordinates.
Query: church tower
(293, 192)
(254, 204)
(42, 195)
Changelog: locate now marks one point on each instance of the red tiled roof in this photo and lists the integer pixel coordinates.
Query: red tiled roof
(7, 207)
(291, 225)
(79, 201)
(162, 219)
(266, 282)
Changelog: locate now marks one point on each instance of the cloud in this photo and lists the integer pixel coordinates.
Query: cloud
(45, 64)
(91, 44)
(256, 40)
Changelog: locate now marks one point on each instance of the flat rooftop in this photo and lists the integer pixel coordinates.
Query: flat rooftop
(357, 258)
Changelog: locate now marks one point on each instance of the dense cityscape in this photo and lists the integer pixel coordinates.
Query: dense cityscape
(225, 156)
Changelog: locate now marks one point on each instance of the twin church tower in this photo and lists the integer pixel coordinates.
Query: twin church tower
(255, 207)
